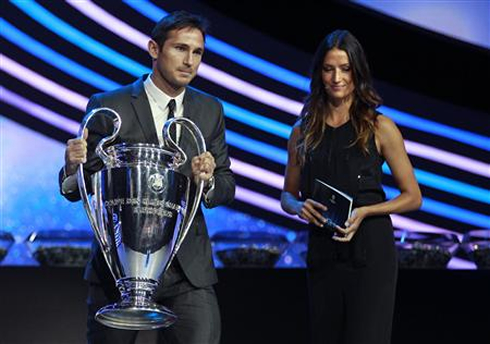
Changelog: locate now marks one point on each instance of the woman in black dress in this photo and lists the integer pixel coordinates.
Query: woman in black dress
(342, 140)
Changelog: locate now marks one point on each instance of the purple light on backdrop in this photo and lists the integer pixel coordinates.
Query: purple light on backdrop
(52, 85)
(136, 37)
(247, 169)
(405, 223)
(273, 205)
(217, 76)
(29, 197)
(78, 101)
(240, 167)
(245, 195)
(277, 181)
(38, 111)
(460, 264)
(448, 158)
(72, 211)
(249, 90)
(255, 92)
(256, 173)
(107, 20)
(44, 84)
(71, 126)
(211, 67)
(261, 201)
(464, 20)
(35, 204)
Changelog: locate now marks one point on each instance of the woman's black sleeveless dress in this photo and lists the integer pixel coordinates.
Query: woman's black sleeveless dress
(351, 285)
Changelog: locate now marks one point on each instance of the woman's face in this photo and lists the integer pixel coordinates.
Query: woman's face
(337, 75)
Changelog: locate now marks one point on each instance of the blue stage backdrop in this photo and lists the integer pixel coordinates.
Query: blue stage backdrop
(56, 54)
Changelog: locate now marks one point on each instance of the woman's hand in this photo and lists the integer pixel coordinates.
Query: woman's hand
(311, 211)
(351, 225)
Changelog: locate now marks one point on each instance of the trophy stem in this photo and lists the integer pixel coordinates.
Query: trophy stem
(136, 310)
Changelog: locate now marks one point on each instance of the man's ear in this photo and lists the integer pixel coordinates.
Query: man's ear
(153, 49)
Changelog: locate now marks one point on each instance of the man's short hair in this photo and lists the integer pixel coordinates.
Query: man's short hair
(175, 21)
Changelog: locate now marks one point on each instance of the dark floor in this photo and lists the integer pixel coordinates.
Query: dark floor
(46, 305)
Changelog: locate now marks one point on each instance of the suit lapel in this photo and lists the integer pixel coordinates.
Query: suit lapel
(141, 107)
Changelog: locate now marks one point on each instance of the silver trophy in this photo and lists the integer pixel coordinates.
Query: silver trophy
(140, 214)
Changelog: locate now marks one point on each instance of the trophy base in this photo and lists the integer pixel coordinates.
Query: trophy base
(131, 317)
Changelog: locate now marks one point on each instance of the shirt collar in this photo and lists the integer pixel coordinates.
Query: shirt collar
(160, 96)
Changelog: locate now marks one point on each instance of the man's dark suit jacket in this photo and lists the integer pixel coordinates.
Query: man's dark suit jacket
(137, 126)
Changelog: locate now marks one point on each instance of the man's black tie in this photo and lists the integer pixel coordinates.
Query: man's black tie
(171, 113)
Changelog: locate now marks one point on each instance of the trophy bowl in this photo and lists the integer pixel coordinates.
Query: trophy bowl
(476, 244)
(141, 211)
(60, 248)
(248, 249)
(6, 241)
(424, 250)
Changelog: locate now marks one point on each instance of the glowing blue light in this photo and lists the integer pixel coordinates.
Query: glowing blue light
(283, 75)
(250, 145)
(256, 121)
(147, 9)
(282, 130)
(448, 185)
(403, 237)
(92, 78)
(432, 127)
(78, 38)
(257, 147)
(446, 210)
(23, 41)
(134, 68)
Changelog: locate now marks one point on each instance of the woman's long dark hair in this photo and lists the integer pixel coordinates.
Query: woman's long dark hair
(365, 99)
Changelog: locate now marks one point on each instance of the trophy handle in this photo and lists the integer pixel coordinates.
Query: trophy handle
(82, 187)
(180, 159)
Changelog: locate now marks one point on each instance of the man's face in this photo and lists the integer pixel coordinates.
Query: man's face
(176, 63)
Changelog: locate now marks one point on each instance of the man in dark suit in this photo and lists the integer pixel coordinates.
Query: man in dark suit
(176, 48)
